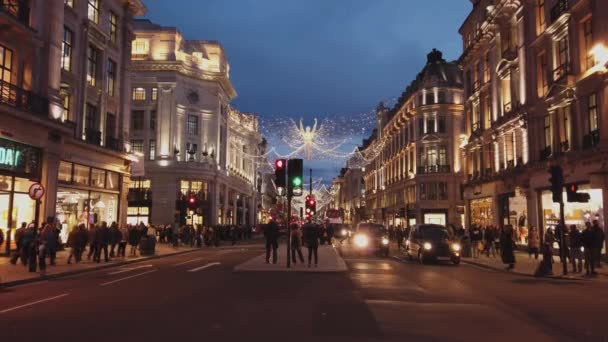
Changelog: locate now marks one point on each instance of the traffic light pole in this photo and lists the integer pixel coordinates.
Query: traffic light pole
(562, 247)
(289, 195)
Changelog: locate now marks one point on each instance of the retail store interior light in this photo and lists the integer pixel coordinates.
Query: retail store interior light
(600, 54)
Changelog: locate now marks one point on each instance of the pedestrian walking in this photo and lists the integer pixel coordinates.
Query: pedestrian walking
(507, 246)
(312, 234)
(91, 240)
(30, 247)
(102, 238)
(75, 244)
(599, 238)
(19, 236)
(134, 240)
(122, 244)
(271, 233)
(115, 237)
(44, 240)
(296, 244)
(574, 244)
(533, 242)
(476, 236)
(489, 237)
(589, 243)
(400, 238)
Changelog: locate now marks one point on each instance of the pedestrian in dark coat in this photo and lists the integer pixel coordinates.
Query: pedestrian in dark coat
(575, 243)
(74, 243)
(91, 241)
(311, 234)
(271, 233)
(296, 243)
(507, 245)
(599, 238)
(115, 237)
(589, 243)
(102, 238)
(133, 240)
(19, 236)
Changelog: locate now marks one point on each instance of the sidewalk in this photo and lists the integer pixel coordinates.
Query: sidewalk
(11, 275)
(527, 266)
(329, 261)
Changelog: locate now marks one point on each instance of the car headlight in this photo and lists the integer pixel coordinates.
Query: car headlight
(456, 247)
(343, 232)
(385, 241)
(361, 241)
(427, 246)
(582, 249)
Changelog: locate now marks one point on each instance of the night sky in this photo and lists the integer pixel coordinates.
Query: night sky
(319, 58)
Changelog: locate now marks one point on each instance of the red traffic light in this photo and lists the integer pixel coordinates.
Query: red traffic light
(312, 202)
(279, 163)
(573, 188)
(191, 200)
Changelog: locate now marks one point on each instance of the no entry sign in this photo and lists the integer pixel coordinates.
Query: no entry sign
(36, 191)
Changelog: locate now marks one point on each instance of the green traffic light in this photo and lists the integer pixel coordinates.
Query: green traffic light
(297, 181)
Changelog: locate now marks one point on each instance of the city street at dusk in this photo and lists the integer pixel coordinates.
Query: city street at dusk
(303, 170)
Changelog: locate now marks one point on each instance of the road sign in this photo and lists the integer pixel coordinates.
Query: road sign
(36, 191)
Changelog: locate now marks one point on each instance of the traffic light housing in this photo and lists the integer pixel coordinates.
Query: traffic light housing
(574, 196)
(557, 183)
(280, 174)
(192, 202)
(295, 177)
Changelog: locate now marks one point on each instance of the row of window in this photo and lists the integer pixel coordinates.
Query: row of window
(140, 94)
(93, 14)
(429, 124)
(77, 174)
(138, 119)
(433, 191)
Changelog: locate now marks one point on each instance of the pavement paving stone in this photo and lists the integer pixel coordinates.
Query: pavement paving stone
(329, 261)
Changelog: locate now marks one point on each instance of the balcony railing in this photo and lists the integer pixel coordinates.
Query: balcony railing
(561, 7)
(114, 144)
(545, 153)
(591, 140)
(16, 97)
(17, 9)
(433, 169)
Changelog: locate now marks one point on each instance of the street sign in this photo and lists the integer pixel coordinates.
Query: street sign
(36, 191)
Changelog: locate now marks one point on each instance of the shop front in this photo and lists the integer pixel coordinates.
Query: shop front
(20, 167)
(481, 211)
(574, 213)
(435, 216)
(512, 211)
(86, 195)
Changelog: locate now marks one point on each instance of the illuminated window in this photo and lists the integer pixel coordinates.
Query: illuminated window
(152, 149)
(6, 69)
(66, 49)
(540, 17)
(66, 101)
(140, 48)
(562, 59)
(593, 125)
(154, 94)
(92, 60)
(113, 27)
(137, 120)
(137, 145)
(587, 41)
(139, 94)
(542, 86)
(111, 81)
(93, 11)
(192, 125)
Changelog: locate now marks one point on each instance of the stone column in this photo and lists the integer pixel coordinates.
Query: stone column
(50, 166)
(214, 199)
(165, 122)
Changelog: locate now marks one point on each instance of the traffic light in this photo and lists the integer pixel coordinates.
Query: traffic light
(295, 178)
(557, 183)
(311, 206)
(192, 202)
(280, 168)
(574, 196)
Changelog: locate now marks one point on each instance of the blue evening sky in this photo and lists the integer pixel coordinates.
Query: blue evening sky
(319, 58)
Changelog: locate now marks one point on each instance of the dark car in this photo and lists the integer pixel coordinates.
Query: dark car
(431, 242)
(371, 238)
(341, 231)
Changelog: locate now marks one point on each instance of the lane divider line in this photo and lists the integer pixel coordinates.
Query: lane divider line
(203, 267)
(33, 303)
(129, 269)
(125, 278)
(187, 262)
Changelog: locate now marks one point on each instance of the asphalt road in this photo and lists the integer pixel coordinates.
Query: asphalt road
(198, 296)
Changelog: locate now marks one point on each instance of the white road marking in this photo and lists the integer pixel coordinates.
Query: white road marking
(203, 267)
(33, 303)
(129, 269)
(125, 278)
(187, 262)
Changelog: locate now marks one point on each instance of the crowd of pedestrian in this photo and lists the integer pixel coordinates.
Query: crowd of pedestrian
(309, 235)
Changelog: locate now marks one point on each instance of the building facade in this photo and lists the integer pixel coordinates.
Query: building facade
(413, 161)
(63, 99)
(536, 92)
(193, 142)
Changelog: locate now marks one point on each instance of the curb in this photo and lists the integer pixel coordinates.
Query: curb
(502, 270)
(86, 270)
